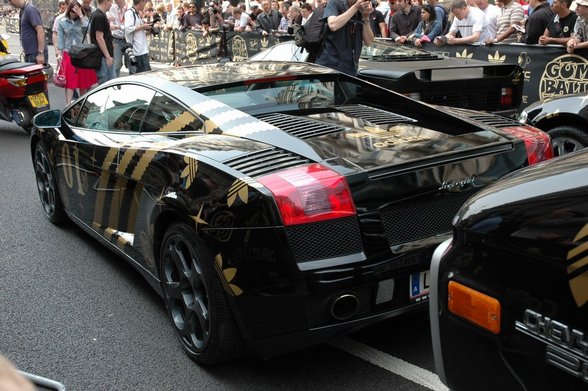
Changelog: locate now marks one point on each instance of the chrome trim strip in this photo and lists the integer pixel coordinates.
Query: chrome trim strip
(434, 310)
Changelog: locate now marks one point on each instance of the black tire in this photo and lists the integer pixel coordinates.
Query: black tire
(47, 186)
(566, 139)
(195, 299)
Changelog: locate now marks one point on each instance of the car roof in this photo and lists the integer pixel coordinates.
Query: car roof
(205, 75)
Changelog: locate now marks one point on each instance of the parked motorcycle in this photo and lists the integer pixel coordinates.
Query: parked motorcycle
(23, 89)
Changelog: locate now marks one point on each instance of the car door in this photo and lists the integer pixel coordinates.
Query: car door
(102, 124)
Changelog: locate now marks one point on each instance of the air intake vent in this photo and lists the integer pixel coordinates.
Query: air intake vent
(374, 116)
(301, 127)
(266, 161)
(489, 119)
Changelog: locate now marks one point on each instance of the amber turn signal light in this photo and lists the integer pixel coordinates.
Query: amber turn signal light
(474, 306)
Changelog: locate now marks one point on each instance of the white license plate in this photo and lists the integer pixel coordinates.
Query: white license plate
(38, 100)
(419, 286)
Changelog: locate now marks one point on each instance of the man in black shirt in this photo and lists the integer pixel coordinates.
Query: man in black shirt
(268, 20)
(560, 28)
(538, 21)
(100, 34)
(404, 21)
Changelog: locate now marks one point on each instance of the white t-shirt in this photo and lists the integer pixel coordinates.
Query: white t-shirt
(492, 13)
(474, 21)
(138, 37)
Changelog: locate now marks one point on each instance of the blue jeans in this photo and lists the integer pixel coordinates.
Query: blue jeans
(142, 63)
(33, 57)
(105, 73)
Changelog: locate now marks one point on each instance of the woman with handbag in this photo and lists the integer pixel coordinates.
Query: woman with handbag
(71, 30)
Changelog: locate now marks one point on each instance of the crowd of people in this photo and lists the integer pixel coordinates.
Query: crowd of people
(334, 30)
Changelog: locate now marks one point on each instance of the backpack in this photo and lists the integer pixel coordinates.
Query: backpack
(444, 21)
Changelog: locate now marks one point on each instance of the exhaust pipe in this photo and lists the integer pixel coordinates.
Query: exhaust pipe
(344, 306)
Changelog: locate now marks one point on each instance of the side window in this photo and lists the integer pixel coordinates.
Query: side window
(126, 107)
(71, 116)
(167, 115)
(91, 114)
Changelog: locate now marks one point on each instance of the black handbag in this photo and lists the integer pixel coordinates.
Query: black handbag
(85, 55)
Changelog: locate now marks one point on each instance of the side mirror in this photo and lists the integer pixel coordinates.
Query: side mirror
(48, 119)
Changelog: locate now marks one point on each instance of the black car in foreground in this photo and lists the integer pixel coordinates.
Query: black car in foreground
(509, 293)
(273, 205)
(429, 77)
(565, 118)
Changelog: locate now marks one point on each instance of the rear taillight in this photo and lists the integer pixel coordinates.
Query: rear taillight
(310, 193)
(538, 143)
(506, 96)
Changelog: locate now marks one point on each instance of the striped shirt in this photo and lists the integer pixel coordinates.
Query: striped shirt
(511, 14)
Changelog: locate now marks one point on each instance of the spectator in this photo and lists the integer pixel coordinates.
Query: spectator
(242, 20)
(579, 38)
(32, 32)
(72, 28)
(560, 28)
(440, 15)
(492, 13)
(537, 21)
(268, 20)
(469, 22)
(428, 28)
(294, 18)
(275, 5)
(179, 22)
(511, 15)
(117, 29)
(313, 29)
(215, 16)
(193, 17)
(404, 21)
(100, 35)
(136, 35)
(284, 10)
(378, 24)
(56, 24)
(255, 11)
(348, 29)
(87, 6)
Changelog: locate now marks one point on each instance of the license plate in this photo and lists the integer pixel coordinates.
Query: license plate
(38, 100)
(419, 286)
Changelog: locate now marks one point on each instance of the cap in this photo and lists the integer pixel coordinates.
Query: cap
(582, 2)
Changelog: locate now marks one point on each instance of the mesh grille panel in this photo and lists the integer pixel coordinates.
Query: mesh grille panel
(422, 219)
(488, 118)
(328, 239)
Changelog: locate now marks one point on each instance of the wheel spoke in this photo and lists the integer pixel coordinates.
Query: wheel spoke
(173, 290)
(177, 251)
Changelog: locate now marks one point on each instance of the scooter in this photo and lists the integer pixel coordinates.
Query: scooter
(23, 89)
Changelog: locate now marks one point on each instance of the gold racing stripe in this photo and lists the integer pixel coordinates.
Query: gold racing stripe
(103, 184)
(178, 123)
(142, 165)
(134, 208)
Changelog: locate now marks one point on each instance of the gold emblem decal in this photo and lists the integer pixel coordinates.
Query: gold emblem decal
(238, 189)
(579, 283)
(496, 58)
(464, 54)
(227, 275)
(189, 171)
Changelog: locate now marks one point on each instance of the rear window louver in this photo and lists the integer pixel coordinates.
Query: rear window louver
(266, 161)
(299, 126)
(489, 119)
(373, 115)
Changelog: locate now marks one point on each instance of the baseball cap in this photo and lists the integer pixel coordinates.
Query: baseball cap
(582, 2)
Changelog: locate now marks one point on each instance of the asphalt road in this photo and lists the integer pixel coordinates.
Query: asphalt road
(73, 311)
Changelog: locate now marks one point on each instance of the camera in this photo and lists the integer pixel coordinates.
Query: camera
(130, 55)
